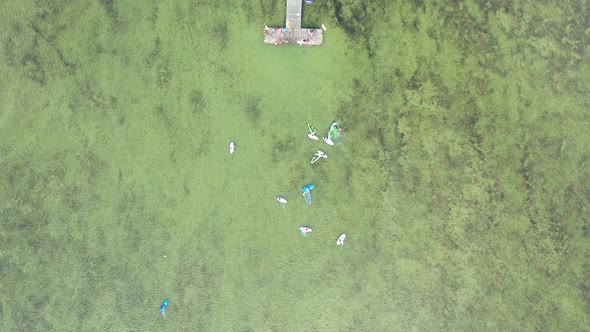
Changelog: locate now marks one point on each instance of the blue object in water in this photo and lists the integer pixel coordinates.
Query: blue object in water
(307, 196)
(163, 307)
(307, 187)
(307, 193)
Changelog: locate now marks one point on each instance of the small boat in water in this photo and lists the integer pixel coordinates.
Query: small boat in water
(304, 230)
(281, 200)
(232, 147)
(341, 239)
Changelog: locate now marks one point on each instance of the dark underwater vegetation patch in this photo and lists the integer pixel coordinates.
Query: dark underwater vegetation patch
(198, 101)
(33, 68)
(356, 19)
(296, 175)
(253, 109)
(249, 9)
(282, 146)
(110, 9)
(51, 41)
(121, 117)
(164, 74)
(270, 7)
(154, 54)
(221, 35)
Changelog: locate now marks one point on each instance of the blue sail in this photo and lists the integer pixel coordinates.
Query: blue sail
(307, 187)
(163, 307)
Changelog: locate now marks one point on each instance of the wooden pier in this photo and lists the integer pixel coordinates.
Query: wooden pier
(292, 32)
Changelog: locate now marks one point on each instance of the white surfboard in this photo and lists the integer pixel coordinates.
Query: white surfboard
(305, 229)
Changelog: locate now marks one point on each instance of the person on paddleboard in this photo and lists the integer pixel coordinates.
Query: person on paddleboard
(163, 307)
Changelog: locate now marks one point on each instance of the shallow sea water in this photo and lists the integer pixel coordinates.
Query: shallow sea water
(118, 190)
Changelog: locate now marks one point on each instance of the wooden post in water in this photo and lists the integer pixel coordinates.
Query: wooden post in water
(292, 32)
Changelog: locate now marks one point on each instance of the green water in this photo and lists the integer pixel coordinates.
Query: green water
(462, 180)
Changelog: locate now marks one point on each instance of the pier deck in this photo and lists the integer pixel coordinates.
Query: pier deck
(292, 32)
